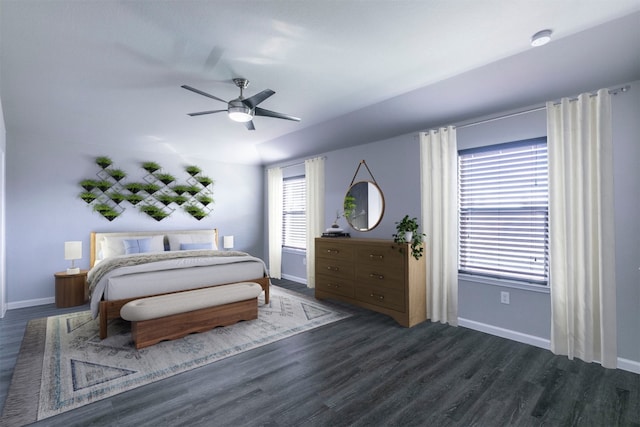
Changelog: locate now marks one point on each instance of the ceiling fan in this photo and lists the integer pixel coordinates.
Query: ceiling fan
(243, 109)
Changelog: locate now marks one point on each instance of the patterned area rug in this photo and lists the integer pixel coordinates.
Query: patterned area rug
(63, 364)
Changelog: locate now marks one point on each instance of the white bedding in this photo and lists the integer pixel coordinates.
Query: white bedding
(170, 275)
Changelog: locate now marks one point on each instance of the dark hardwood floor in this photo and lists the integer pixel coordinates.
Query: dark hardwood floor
(364, 371)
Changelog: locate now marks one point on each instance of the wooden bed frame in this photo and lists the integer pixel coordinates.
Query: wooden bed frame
(111, 309)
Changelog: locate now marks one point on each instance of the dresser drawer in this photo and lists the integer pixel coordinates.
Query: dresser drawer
(376, 275)
(335, 285)
(334, 249)
(337, 268)
(383, 297)
(384, 255)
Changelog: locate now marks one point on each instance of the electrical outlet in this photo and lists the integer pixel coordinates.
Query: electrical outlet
(504, 297)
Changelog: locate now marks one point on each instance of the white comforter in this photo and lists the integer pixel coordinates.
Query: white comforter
(123, 265)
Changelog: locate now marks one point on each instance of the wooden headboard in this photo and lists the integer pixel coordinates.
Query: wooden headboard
(97, 238)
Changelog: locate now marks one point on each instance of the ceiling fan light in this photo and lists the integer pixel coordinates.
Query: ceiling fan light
(240, 114)
(541, 38)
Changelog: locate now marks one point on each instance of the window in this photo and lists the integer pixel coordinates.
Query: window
(503, 211)
(294, 215)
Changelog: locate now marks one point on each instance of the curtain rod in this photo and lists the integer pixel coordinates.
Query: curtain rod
(290, 165)
(614, 91)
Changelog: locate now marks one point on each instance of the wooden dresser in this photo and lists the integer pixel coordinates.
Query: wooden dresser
(379, 275)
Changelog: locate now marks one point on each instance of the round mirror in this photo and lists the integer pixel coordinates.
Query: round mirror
(364, 206)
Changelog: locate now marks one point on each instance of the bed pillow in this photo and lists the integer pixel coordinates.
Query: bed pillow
(175, 240)
(191, 246)
(137, 246)
(114, 246)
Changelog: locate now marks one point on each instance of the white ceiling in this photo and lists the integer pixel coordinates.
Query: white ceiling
(109, 72)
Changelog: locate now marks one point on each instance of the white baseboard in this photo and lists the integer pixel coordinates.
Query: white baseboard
(302, 280)
(505, 333)
(624, 364)
(31, 303)
(629, 365)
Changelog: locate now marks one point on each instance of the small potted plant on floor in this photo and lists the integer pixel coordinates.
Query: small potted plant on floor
(407, 232)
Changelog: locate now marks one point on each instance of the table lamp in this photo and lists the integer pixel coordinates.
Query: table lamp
(73, 251)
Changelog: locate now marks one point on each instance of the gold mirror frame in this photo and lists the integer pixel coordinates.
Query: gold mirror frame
(364, 202)
(364, 205)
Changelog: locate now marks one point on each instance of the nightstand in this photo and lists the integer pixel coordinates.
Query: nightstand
(71, 289)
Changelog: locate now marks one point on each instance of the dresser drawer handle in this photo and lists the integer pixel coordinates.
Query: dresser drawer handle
(331, 285)
(333, 251)
(376, 275)
(378, 296)
(330, 268)
(374, 256)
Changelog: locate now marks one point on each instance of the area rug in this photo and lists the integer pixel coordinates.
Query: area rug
(63, 364)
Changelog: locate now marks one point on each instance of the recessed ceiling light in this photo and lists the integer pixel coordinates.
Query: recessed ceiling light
(541, 38)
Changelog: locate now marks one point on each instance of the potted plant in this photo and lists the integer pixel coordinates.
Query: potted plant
(205, 200)
(117, 196)
(180, 200)
(165, 199)
(88, 184)
(165, 178)
(134, 199)
(117, 174)
(103, 161)
(88, 196)
(193, 190)
(180, 188)
(150, 167)
(195, 212)
(150, 188)
(154, 212)
(204, 180)
(106, 211)
(193, 170)
(407, 232)
(134, 187)
(103, 185)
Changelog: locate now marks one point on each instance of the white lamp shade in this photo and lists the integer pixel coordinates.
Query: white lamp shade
(73, 250)
(227, 242)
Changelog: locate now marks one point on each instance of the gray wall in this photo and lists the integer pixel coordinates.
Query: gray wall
(3, 146)
(395, 166)
(43, 208)
(626, 159)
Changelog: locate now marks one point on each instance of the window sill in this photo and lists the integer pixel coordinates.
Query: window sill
(504, 283)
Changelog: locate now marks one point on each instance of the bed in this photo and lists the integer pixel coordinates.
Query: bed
(131, 265)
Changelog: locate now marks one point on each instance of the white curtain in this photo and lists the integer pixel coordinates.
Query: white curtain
(439, 183)
(581, 229)
(274, 207)
(314, 175)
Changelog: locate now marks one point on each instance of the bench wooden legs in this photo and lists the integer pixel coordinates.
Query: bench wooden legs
(149, 332)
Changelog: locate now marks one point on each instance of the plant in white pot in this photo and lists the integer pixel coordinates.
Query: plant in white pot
(407, 232)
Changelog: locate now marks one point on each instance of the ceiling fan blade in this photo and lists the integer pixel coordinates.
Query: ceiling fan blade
(256, 99)
(199, 92)
(206, 112)
(250, 125)
(267, 113)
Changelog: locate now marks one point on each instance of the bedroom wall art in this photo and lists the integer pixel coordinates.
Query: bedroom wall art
(157, 195)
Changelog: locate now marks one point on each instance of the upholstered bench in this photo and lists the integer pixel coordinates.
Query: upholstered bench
(172, 316)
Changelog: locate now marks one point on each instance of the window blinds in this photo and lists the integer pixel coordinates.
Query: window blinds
(294, 212)
(503, 211)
